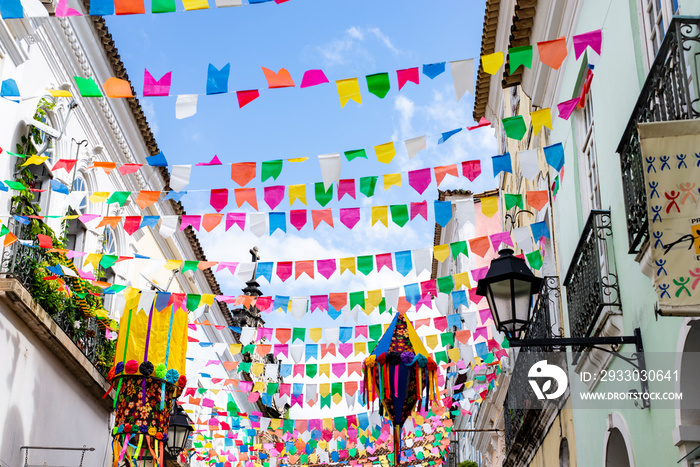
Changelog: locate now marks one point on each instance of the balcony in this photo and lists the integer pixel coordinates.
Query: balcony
(527, 418)
(591, 283)
(23, 263)
(671, 92)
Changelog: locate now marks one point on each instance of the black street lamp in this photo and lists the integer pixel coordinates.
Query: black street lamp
(178, 431)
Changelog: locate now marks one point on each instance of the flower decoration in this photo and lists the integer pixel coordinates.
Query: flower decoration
(119, 368)
(182, 382)
(131, 367)
(161, 370)
(172, 376)
(146, 368)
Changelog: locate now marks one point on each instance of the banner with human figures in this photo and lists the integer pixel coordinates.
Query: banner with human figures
(671, 161)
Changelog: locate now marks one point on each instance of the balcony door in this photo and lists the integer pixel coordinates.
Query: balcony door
(655, 16)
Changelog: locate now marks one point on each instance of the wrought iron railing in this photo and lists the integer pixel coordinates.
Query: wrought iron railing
(670, 92)
(21, 262)
(591, 283)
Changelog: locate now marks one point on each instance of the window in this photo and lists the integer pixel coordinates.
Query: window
(655, 17)
(109, 247)
(76, 229)
(587, 159)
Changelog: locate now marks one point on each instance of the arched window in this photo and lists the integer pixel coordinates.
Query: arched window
(564, 456)
(76, 229)
(616, 454)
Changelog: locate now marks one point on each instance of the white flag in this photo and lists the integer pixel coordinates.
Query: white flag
(414, 145)
(463, 77)
(180, 177)
(185, 106)
(330, 169)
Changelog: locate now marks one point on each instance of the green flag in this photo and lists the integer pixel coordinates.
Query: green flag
(189, 266)
(355, 153)
(107, 261)
(311, 369)
(512, 200)
(341, 423)
(399, 214)
(441, 357)
(119, 197)
(337, 389)
(459, 247)
(447, 338)
(375, 331)
(534, 259)
(299, 333)
(163, 6)
(248, 349)
(371, 345)
(244, 367)
(272, 388)
(382, 306)
(445, 284)
(519, 56)
(271, 169)
(357, 298)
(378, 84)
(87, 87)
(323, 197)
(365, 264)
(367, 185)
(192, 301)
(19, 186)
(515, 127)
(326, 401)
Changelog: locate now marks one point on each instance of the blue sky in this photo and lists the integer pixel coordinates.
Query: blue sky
(346, 39)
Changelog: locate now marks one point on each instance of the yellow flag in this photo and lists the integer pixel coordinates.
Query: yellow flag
(195, 5)
(441, 252)
(93, 259)
(297, 192)
(380, 214)
(540, 118)
(489, 206)
(392, 180)
(235, 348)
(324, 369)
(337, 398)
(462, 279)
(431, 341)
(324, 389)
(347, 264)
(360, 348)
(348, 89)
(275, 423)
(257, 369)
(374, 298)
(71, 217)
(59, 93)
(172, 264)
(315, 334)
(99, 197)
(207, 299)
(298, 159)
(492, 62)
(35, 160)
(454, 354)
(385, 152)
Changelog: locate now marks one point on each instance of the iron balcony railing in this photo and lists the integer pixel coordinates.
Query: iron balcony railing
(670, 92)
(521, 403)
(21, 262)
(591, 283)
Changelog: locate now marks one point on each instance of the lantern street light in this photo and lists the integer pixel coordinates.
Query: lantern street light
(178, 431)
(509, 287)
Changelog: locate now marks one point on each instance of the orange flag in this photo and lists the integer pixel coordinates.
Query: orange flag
(207, 264)
(248, 195)
(322, 215)
(552, 53)
(537, 199)
(106, 166)
(441, 172)
(480, 245)
(129, 7)
(10, 238)
(209, 221)
(281, 79)
(110, 221)
(243, 172)
(338, 300)
(115, 88)
(147, 198)
(304, 267)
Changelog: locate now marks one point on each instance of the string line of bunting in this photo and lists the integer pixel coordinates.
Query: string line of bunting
(551, 53)
(261, 223)
(244, 172)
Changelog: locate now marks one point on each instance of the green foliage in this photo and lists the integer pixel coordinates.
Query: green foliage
(468, 464)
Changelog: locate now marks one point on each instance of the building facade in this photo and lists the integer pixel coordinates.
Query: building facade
(601, 248)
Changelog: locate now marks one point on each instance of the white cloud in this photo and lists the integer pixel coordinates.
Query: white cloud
(349, 47)
(150, 113)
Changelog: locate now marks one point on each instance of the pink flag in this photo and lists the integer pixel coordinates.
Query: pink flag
(284, 270)
(419, 179)
(428, 287)
(500, 237)
(326, 267)
(281, 349)
(346, 187)
(215, 161)
(473, 296)
(484, 316)
(593, 38)
(481, 331)
(194, 221)
(409, 74)
(313, 78)
(471, 169)
(424, 322)
(219, 198)
(349, 217)
(424, 301)
(566, 108)
(478, 274)
(440, 323)
(129, 168)
(482, 123)
(131, 224)
(264, 303)
(384, 261)
(361, 331)
(338, 369)
(274, 195)
(419, 209)
(237, 218)
(246, 97)
(297, 218)
(62, 10)
(230, 266)
(319, 301)
(345, 349)
(151, 87)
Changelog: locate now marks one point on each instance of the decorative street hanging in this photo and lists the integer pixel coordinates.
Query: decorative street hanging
(402, 374)
(149, 371)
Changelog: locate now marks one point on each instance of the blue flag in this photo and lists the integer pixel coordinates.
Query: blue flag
(217, 80)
